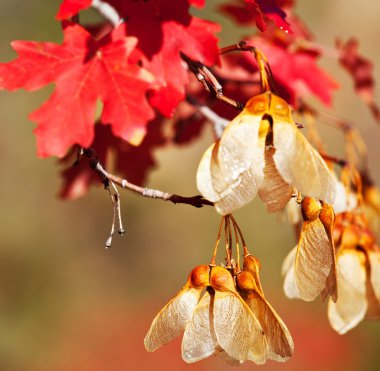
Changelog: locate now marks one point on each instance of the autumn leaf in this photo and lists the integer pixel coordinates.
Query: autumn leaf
(84, 71)
(295, 70)
(361, 71)
(198, 3)
(262, 11)
(69, 8)
(188, 128)
(165, 29)
(129, 162)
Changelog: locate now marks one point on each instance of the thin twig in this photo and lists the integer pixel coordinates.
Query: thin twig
(116, 204)
(196, 201)
(210, 82)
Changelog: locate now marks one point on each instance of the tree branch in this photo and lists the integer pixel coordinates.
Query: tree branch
(196, 201)
(210, 82)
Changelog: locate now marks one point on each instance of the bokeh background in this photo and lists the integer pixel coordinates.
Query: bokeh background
(67, 304)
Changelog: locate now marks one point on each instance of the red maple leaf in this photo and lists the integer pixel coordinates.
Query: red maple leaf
(198, 3)
(84, 71)
(262, 11)
(165, 29)
(296, 72)
(361, 70)
(69, 8)
(130, 162)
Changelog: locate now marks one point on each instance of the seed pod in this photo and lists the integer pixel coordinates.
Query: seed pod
(310, 209)
(221, 279)
(199, 276)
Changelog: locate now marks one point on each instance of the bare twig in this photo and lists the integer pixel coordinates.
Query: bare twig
(210, 82)
(115, 198)
(196, 201)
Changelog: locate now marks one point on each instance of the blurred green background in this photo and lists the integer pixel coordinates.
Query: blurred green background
(66, 304)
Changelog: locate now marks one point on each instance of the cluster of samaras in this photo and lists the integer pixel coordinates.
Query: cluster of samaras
(222, 310)
(262, 151)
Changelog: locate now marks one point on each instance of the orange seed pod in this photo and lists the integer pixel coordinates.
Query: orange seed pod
(310, 208)
(199, 276)
(221, 279)
(246, 282)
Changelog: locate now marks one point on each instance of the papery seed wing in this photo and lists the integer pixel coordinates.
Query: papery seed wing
(373, 285)
(314, 261)
(280, 342)
(252, 265)
(327, 218)
(293, 212)
(238, 331)
(374, 262)
(300, 164)
(345, 200)
(204, 180)
(274, 191)
(238, 169)
(351, 305)
(199, 340)
(172, 318)
(289, 261)
(287, 270)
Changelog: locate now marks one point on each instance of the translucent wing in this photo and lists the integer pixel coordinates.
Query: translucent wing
(293, 212)
(199, 340)
(300, 164)
(274, 191)
(172, 318)
(351, 305)
(204, 181)
(373, 285)
(280, 342)
(374, 262)
(252, 265)
(315, 259)
(238, 169)
(290, 287)
(344, 200)
(327, 217)
(238, 332)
